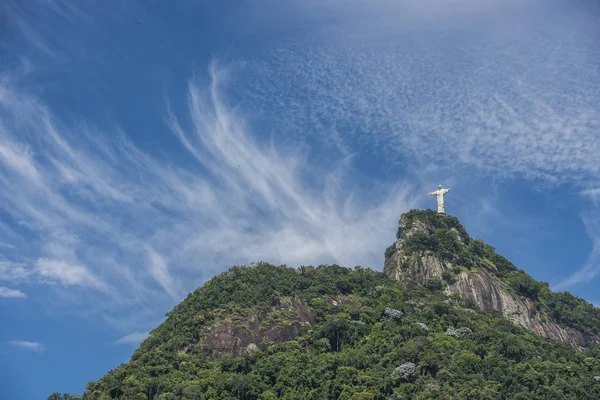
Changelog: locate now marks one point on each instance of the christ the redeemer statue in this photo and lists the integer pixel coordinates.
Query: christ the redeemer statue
(440, 193)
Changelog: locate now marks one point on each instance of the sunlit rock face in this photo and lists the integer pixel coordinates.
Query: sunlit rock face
(281, 323)
(228, 338)
(421, 266)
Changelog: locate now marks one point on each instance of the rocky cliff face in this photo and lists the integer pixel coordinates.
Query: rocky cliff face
(421, 266)
(281, 323)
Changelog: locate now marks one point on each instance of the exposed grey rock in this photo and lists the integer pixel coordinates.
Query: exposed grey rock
(491, 295)
(226, 339)
(597, 379)
(417, 227)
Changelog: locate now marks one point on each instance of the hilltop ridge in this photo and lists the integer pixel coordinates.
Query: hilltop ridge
(435, 250)
(448, 318)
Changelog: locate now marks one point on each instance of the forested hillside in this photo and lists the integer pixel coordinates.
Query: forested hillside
(329, 332)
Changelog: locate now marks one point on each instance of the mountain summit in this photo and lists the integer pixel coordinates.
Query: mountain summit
(447, 319)
(435, 250)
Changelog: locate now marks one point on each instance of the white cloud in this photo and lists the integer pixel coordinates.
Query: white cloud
(133, 338)
(19, 160)
(13, 271)
(591, 268)
(107, 216)
(31, 346)
(592, 194)
(160, 272)
(12, 293)
(442, 86)
(309, 226)
(466, 93)
(35, 25)
(61, 272)
(95, 211)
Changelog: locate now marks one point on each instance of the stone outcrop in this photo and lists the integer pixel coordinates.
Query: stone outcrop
(227, 339)
(479, 286)
(492, 296)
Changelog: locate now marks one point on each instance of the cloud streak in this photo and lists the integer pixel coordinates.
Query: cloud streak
(443, 88)
(517, 104)
(430, 86)
(11, 293)
(133, 338)
(120, 230)
(30, 346)
(68, 275)
(591, 268)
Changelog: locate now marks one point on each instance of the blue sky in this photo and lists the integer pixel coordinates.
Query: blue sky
(147, 146)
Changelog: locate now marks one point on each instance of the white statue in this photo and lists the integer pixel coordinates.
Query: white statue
(440, 193)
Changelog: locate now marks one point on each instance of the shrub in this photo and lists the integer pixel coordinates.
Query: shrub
(392, 313)
(422, 326)
(390, 250)
(434, 284)
(405, 371)
(449, 276)
(458, 332)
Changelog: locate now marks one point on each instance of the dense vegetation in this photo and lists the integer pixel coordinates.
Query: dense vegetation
(386, 342)
(372, 338)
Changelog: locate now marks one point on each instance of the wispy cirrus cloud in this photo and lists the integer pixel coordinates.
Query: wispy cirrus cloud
(592, 194)
(14, 271)
(38, 29)
(466, 93)
(11, 293)
(440, 87)
(591, 268)
(90, 210)
(31, 346)
(133, 338)
(584, 275)
(68, 275)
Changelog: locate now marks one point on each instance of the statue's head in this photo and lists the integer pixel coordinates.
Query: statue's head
(440, 186)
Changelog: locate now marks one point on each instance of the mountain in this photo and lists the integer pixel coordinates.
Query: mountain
(448, 318)
(435, 250)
